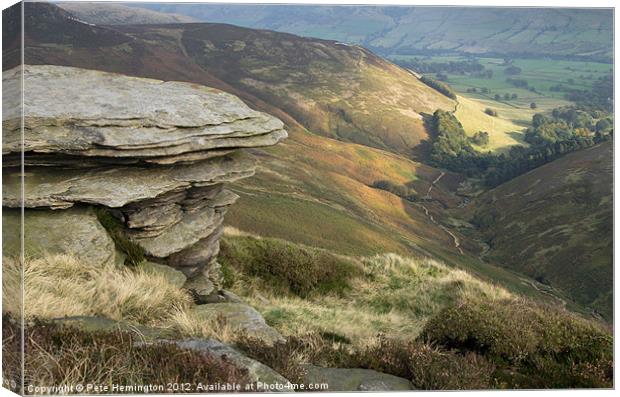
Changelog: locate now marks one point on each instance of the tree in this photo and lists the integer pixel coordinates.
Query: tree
(490, 112)
(512, 70)
(538, 120)
(480, 138)
(533, 105)
(603, 125)
(513, 96)
(498, 97)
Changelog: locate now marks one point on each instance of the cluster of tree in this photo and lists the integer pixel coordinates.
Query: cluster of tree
(520, 160)
(512, 70)
(480, 138)
(566, 123)
(451, 147)
(599, 97)
(519, 83)
(506, 97)
(483, 90)
(439, 86)
(565, 131)
(399, 190)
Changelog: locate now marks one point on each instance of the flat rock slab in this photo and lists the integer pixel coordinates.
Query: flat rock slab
(75, 231)
(257, 371)
(355, 379)
(117, 187)
(92, 113)
(241, 318)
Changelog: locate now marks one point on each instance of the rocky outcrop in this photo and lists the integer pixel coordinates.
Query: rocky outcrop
(240, 318)
(354, 379)
(265, 378)
(155, 155)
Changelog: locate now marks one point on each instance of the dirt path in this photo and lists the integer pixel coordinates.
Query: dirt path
(542, 290)
(455, 239)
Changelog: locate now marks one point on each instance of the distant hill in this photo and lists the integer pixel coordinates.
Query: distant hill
(555, 224)
(119, 14)
(537, 32)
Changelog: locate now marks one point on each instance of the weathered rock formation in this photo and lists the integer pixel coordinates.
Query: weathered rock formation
(155, 155)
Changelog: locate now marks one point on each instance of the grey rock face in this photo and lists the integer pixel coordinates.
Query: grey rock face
(75, 231)
(154, 154)
(355, 379)
(173, 276)
(240, 317)
(257, 372)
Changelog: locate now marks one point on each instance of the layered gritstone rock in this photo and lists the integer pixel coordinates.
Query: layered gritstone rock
(154, 155)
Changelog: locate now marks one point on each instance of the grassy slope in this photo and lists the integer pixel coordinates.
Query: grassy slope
(573, 195)
(387, 293)
(503, 131)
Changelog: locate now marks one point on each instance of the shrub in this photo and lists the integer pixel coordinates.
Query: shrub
(399, 190)
(554, 349)
(490, 112)
(286, 267)
(480, 138)
(59, 355)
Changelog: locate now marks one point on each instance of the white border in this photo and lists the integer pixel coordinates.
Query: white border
(483, 3)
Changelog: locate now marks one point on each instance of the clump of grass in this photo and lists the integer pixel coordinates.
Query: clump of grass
(115, 228)
(60, 355)
(61, 285)
(288, 268)
(551, 348)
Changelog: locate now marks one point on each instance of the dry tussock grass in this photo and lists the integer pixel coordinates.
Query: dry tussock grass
(63, 286)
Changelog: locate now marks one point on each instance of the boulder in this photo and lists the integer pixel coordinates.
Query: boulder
(173, 276)
(240, 318)
(201, 287)
(75, 231)
(355, 379)
(257, 372)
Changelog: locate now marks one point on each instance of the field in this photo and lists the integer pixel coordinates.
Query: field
(513, 115)
(541, 74)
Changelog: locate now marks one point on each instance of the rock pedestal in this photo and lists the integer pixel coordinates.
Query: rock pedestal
(155, 155)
